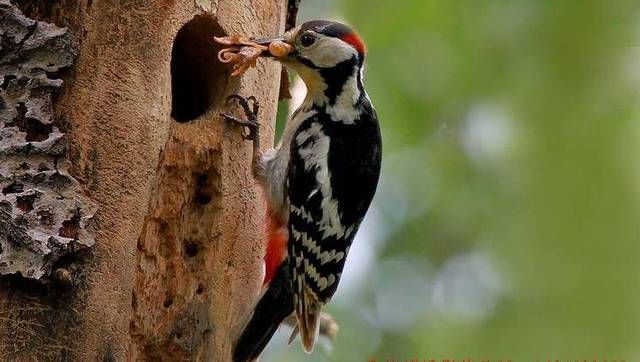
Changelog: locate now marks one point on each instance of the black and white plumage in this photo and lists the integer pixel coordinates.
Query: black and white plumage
(332, 177)
(319, 180)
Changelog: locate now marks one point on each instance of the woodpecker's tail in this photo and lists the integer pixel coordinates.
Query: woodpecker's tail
(308, 312)
(274, 306)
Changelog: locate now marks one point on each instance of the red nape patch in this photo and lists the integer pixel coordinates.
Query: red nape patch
(355, 42)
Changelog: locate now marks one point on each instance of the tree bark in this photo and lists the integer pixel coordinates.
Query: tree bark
(160, 221)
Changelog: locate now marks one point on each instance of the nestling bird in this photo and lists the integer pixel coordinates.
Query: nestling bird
(319, 181)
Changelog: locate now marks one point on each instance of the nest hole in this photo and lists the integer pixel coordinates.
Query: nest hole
(198, 78)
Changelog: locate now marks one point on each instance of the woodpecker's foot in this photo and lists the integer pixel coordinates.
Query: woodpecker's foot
(251, 107)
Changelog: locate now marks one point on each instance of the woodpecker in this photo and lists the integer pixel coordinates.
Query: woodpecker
(318, 182)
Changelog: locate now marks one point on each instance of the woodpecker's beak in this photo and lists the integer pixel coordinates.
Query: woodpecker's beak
(267, 41)
(280, 47)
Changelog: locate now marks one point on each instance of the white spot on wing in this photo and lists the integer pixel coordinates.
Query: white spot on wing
(330, 280)
(314, 154)
(320, 281)
(300, 211)
(324, 256)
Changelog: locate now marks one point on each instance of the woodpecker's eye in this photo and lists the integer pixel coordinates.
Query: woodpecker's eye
(307, 39)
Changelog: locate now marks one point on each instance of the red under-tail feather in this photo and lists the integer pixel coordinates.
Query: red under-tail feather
(276, 248)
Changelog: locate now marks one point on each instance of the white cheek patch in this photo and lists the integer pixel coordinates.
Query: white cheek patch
(329, 51)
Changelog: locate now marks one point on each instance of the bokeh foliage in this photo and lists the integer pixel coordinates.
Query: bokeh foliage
(506, 225)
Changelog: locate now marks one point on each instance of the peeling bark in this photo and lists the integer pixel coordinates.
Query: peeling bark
(44, 213)
(165, 208)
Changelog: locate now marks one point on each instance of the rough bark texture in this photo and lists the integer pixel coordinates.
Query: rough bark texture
(44, 214)
(177, 256)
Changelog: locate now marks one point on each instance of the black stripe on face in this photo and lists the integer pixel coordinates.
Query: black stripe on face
(306, 62)
(328, 28)
(336, 76)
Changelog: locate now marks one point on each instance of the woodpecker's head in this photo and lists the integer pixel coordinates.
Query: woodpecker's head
(327, 55)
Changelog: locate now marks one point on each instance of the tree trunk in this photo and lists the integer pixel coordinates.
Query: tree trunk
(130, 224)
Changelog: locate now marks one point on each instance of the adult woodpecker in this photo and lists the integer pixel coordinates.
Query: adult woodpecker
(319, 181)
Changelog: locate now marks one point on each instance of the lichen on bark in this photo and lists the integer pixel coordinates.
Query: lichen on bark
(44, 212)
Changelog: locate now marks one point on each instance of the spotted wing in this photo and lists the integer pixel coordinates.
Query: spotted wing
(318, 241)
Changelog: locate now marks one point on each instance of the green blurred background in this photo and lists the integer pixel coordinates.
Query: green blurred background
(506, 223)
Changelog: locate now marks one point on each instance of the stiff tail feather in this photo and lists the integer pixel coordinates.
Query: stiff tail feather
(274, 306)
(308, 313)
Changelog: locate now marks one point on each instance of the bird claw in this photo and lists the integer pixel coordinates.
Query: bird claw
(249, 104)
(251, 107)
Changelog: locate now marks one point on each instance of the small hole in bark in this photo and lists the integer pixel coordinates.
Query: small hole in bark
(58, 180)
(45, 217)
(60, 73)
(203, 189)
(39, 178)
(13, 188)
(191, 249)
(5, 206)
(199, 290)
(63, 276)
(206, 333)
(36, 131)
(25, 203)
(6, 79)
(198, 79)
(168, 301)
(70, 227)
